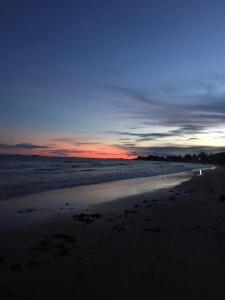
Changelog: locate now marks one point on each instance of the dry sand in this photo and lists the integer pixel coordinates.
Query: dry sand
(168, 244)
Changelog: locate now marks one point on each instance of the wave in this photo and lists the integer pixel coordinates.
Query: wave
(32, 175)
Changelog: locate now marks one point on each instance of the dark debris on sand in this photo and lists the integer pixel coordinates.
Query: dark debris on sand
(65, 237)
(222, 198)
(87, 218)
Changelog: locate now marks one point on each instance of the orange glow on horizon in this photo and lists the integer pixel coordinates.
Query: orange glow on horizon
(82, 150)
(94, 150)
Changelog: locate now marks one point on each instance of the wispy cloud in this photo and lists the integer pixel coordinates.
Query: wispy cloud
(86, 143)
(23, 146)
(170, 150)
(173, 107)
(181, 131)
(181, 112)
(73, 141)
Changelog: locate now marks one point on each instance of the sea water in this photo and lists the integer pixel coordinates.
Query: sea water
(24, 175)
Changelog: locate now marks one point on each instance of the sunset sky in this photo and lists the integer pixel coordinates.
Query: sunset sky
(117, 78)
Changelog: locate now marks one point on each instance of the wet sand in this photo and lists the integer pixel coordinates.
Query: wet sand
(166, 244)
(41, 206)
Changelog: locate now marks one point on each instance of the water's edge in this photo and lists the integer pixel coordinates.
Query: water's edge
(30, 208)
(31, 176)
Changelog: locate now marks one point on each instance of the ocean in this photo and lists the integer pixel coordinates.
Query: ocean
(24, 175)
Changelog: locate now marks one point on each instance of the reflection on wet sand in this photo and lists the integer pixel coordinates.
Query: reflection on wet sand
(36, 207)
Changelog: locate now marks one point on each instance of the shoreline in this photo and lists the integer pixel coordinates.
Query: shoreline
(166, 244)
(45, 177)
(41, 206)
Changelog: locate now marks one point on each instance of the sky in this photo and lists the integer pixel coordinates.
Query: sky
(112, 78)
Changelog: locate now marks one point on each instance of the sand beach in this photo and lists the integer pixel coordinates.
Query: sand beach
(164, 244)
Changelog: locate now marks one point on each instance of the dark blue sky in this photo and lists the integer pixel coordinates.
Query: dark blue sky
(96, 78)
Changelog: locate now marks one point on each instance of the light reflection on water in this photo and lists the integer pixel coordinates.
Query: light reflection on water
(23, 210)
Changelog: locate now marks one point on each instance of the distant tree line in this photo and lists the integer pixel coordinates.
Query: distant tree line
(207, 158)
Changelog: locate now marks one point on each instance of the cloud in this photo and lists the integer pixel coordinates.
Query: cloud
(200, 105)
(137, 95)
(189, 128)
(73, 141)
(65, 152)
(183, 111)
(86, 143)
(139, 135)
(128, 144)
(181, 131)
(31, 146)
(170, 150)
(23, 146)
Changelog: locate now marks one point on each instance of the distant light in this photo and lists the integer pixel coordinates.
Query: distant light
(200, 172)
